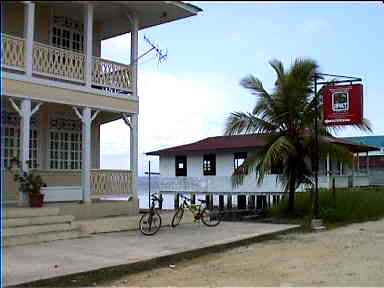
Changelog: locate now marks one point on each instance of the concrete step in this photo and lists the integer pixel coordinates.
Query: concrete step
(31, 212)
(37, 229)
(41, 237)
(17, 222)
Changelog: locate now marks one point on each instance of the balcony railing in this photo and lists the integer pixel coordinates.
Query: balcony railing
(12, 52)
(111, 182)
(65, 65)
(58, 63)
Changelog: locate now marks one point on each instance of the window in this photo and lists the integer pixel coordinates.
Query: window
(64, 144)
(12, 141)
(209, 164)
(277, 168)
(67, 33)
(239, 159)
(181, 165)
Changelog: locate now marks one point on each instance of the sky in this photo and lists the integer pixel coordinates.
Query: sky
(189, 96)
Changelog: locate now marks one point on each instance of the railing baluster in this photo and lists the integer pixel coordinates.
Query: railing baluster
(112, 76)
(56, 62)
(12, 53)
(111, 182)
(64, 64)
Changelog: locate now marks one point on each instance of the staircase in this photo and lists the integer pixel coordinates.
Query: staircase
(35, 225)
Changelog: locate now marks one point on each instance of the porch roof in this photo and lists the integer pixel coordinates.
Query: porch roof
(244, 142)
(112, 15)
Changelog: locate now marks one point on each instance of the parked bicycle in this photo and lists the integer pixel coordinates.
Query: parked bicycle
(150, 222)
(209, 216)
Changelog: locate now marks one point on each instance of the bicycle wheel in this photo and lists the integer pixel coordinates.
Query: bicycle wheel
(177, 217)
(150, 223)
(211, 217)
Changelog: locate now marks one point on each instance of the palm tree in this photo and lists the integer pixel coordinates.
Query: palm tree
(285, 118)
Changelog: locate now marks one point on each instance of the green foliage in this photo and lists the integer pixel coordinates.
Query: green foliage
(285, 117)
(349, 205)
(29, 182)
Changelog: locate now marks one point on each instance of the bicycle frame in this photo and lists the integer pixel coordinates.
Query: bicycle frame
(195, 212)
(153, 205)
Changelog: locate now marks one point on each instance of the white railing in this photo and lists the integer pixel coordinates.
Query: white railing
(12, 52)
(59, 63)
(218, 184)
(67, 65)
(111, 182)
(112, 76)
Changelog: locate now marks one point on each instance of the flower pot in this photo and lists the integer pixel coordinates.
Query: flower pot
(36, 200)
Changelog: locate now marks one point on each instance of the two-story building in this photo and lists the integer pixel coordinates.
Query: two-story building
(204, 169)
(57, 91)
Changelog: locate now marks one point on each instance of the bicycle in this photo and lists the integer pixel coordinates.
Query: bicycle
(209, 216)
(150, 222)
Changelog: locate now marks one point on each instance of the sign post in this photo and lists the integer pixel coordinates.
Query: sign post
(342, 105)
(149, 173)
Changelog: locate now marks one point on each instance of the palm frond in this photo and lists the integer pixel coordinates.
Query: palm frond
(246, 123)
(277, 65)
(275, 153)
(335, 152)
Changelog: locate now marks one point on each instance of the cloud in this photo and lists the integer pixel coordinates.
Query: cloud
(315, 25)
(174, 110)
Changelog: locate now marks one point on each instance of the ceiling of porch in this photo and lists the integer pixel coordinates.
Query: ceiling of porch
(112, 15)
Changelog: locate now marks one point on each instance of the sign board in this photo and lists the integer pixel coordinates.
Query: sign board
(343, 104)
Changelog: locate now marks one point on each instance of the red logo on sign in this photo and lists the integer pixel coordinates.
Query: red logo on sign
(343, 105)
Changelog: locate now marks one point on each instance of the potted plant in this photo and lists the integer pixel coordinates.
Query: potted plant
(29, 183)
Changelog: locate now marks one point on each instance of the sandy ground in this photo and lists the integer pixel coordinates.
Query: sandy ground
(349, 256)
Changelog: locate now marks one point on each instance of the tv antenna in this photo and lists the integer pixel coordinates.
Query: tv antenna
(160, 54)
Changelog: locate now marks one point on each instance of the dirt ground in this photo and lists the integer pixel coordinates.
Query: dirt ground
(348, 256)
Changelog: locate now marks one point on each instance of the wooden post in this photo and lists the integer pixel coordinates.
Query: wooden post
(25, 122)
(134, 51)
(86, 157)
(29, 24)
(86, 118)
(88, 29)
(229, 201)
(134, 151)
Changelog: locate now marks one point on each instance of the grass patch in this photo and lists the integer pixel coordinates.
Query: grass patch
(349, 205)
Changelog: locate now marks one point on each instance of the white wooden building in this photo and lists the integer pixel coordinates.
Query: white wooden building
(205, 167)
(58, 91)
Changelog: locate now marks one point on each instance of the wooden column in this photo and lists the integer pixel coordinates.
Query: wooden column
(25, 112)
(134, 51)
(29, 24)
(88, 41)
(86, 118)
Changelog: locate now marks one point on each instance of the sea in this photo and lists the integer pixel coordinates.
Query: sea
(168, 198)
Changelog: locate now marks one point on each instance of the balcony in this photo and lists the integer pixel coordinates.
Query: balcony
(65, 65)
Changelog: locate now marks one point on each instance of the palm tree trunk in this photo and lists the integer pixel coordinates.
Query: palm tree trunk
(291, 197)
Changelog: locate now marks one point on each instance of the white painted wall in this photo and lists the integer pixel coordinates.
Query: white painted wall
(196, 182)
(224, 165)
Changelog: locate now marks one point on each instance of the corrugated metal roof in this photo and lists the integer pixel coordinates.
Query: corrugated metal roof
(376, 141)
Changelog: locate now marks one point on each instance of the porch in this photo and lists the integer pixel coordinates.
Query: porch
(65, 186)
(56, 143)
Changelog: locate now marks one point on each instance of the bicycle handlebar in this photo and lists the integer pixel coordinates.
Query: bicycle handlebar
(155, 198)
(185, 198)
